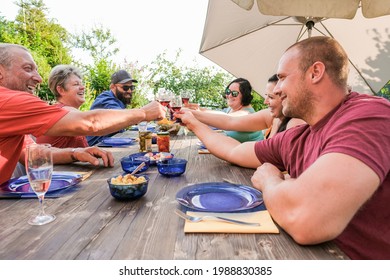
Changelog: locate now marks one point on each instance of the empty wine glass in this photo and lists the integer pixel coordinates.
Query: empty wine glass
(39, 168)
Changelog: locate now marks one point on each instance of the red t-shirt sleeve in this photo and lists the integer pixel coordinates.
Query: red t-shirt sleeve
(363, 132)
(24, 113)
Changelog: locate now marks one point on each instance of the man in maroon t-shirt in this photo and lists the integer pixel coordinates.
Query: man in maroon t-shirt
(339, 162)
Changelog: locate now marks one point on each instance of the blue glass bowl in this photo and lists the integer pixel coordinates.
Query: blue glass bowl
(172, 167)
(130, 191)
(130, 163)
(154, 156)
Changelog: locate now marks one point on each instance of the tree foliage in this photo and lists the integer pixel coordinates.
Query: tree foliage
(51, 44)
(47, 40)
(207, 83)
(385, 91)
(98, 41)
(99, 44)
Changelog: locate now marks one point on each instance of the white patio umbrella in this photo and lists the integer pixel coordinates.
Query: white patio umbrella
(249, 44)
(319, 8)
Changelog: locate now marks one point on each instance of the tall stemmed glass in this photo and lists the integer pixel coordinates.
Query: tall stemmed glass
(39, 168)
(186, 96)
(164, 97)
(176, 104)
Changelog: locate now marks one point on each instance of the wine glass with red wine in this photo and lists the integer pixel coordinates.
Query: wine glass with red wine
(176, 104)
(185, 97)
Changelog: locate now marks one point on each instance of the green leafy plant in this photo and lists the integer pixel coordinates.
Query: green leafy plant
(385, 91)
(51, 44)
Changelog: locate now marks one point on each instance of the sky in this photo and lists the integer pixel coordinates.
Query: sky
(143, 28)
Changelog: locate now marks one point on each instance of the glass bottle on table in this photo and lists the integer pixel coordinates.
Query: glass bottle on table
(163, 141)
(145, 137)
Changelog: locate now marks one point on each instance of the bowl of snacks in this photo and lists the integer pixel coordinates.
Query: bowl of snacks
(172, 167)
(171, 126)
(131, 162)
(127, 186)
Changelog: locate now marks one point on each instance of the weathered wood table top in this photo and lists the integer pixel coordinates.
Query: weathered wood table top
(91, 224)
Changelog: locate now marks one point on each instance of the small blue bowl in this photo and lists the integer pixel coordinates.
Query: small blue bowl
(129, 191)
(172, 167)
(130, 163)
(154, 156)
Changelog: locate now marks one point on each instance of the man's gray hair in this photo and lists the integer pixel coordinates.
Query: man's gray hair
(6, 54)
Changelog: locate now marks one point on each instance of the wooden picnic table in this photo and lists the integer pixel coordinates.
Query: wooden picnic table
(91, 224)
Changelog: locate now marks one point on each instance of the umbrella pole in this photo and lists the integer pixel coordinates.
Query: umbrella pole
(309, 25)
(360, 74)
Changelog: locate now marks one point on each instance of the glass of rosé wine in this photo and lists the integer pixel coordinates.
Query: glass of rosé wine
(39, 169)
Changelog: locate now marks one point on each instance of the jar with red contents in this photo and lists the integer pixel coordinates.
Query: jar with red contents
(163, 139)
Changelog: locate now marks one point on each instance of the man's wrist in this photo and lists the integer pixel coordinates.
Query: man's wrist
(72, 155)
(142, 114)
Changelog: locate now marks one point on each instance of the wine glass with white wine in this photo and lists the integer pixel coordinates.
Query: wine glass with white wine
(39, 168)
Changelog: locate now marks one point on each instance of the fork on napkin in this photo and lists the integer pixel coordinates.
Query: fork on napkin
(267, 225)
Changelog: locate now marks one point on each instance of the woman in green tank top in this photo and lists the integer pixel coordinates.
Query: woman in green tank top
(238, 95)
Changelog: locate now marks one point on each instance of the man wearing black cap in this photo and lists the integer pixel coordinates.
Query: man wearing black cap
(118, 97)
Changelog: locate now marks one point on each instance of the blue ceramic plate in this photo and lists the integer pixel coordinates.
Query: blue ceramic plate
(219, 197)
(118, 141)
(59, 181)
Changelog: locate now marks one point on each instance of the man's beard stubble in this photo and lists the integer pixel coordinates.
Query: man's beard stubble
(301, 106)
(121, 96)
